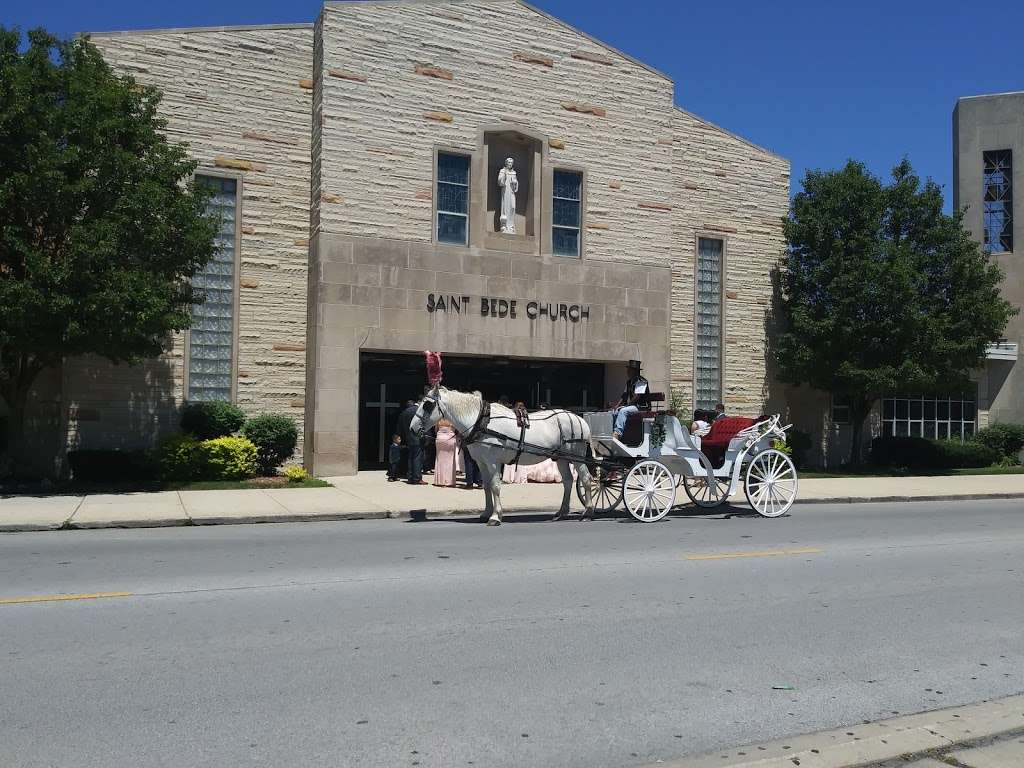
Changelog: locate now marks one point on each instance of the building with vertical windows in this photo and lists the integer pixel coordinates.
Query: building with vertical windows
(469, 176)
(988, 180)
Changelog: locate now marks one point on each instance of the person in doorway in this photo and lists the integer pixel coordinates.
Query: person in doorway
(394, 458)
(635, 396)
(719, 412)
(414, 448)
(445, 445)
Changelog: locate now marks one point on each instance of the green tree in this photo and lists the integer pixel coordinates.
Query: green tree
(101, 226)
(882, 291)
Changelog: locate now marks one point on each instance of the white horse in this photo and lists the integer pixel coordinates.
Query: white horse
(553, 430)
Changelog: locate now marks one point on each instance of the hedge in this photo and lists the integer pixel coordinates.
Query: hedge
(275, 437)
(179, 458)
(228, 458)
(212, 419)
(1006, 439)
(921, 453)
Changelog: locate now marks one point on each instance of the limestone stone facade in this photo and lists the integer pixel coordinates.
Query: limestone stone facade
(241, 99)
(334, 131)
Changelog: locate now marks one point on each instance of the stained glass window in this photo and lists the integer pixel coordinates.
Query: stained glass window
(998, 201)
(708, 378)
(211, 340)
(565, 205)
(452, 198)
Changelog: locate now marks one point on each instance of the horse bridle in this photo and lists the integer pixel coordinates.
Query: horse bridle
(429, 404)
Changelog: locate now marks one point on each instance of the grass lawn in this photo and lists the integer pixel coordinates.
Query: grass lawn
(890, 472)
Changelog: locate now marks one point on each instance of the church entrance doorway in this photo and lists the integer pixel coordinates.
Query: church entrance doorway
(388, 380)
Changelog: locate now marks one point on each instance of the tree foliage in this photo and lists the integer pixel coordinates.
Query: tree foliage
(881, 291)
(100, 225)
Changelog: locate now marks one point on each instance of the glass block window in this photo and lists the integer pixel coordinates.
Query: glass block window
(565, 213)
(998, 201)
(211, 340)
(708, 321)
(452, 198)
(945, 418)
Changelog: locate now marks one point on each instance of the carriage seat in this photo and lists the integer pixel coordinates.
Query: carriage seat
(716, 442)
(633, 432)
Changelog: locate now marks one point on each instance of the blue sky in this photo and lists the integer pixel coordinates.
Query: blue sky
(813, 80)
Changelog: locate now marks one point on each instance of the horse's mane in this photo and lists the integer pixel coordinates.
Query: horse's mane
(464, 406)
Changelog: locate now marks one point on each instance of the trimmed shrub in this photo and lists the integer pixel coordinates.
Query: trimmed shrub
(952, 454)
(179, 458)
(228, 458)
(275, 437)
(296, 474)
(921, 453)
(1006, 439)
(915, 452)
(209, 420)
(100, 466)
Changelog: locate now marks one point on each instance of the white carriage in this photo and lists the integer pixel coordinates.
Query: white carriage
(645, 472)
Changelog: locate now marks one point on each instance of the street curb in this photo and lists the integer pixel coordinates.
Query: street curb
(167, 522)
(893, 499)
(859, 745)
(403, 514)
(302, 517)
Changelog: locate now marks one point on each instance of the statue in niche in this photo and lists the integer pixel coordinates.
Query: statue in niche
(509, 186)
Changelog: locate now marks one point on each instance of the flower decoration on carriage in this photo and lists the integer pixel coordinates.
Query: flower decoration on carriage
(658, 432)
(433, 368)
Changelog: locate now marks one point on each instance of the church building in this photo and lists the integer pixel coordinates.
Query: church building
(473, 177)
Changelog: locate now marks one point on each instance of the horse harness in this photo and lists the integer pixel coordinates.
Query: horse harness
(481, 429)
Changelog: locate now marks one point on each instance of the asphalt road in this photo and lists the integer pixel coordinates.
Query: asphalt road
(382, 643)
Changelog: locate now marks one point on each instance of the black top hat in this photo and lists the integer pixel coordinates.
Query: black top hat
(634, 364)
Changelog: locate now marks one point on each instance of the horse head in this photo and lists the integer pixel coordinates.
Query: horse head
(428, 412)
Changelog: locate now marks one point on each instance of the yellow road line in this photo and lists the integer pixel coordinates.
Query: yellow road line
(769, 553)
(60, 598)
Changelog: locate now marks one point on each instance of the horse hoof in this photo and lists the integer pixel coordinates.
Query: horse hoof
(493, 522)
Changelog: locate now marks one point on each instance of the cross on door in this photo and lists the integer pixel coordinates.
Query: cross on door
(383, 406)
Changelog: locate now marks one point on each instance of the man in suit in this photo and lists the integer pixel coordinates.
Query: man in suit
(636, 396)
(413, 444)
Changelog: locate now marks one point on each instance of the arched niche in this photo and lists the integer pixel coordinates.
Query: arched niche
(528, 152)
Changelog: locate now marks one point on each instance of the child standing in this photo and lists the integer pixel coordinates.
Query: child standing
(394, 458)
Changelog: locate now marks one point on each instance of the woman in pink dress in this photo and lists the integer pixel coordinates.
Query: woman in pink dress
(444, 466)
(544, 472)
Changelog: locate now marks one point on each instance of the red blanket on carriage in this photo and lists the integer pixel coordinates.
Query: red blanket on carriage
(715, 443)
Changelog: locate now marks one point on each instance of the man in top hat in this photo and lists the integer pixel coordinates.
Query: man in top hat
(635, 397)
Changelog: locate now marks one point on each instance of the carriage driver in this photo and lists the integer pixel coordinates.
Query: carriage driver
(637, 395)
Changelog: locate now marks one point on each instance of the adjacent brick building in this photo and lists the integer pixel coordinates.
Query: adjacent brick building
(357, 159)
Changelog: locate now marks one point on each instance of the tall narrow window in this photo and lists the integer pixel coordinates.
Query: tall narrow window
(565, 213)
(708, 378)
(452, 198)
(212, 338)
(998, 210)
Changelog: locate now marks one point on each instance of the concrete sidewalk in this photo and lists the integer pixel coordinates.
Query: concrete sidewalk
(369, 495)
(985, 735)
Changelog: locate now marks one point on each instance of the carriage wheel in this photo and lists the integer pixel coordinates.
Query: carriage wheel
(649, 491)
(701, 494)
(608, 495)
(771, 483)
